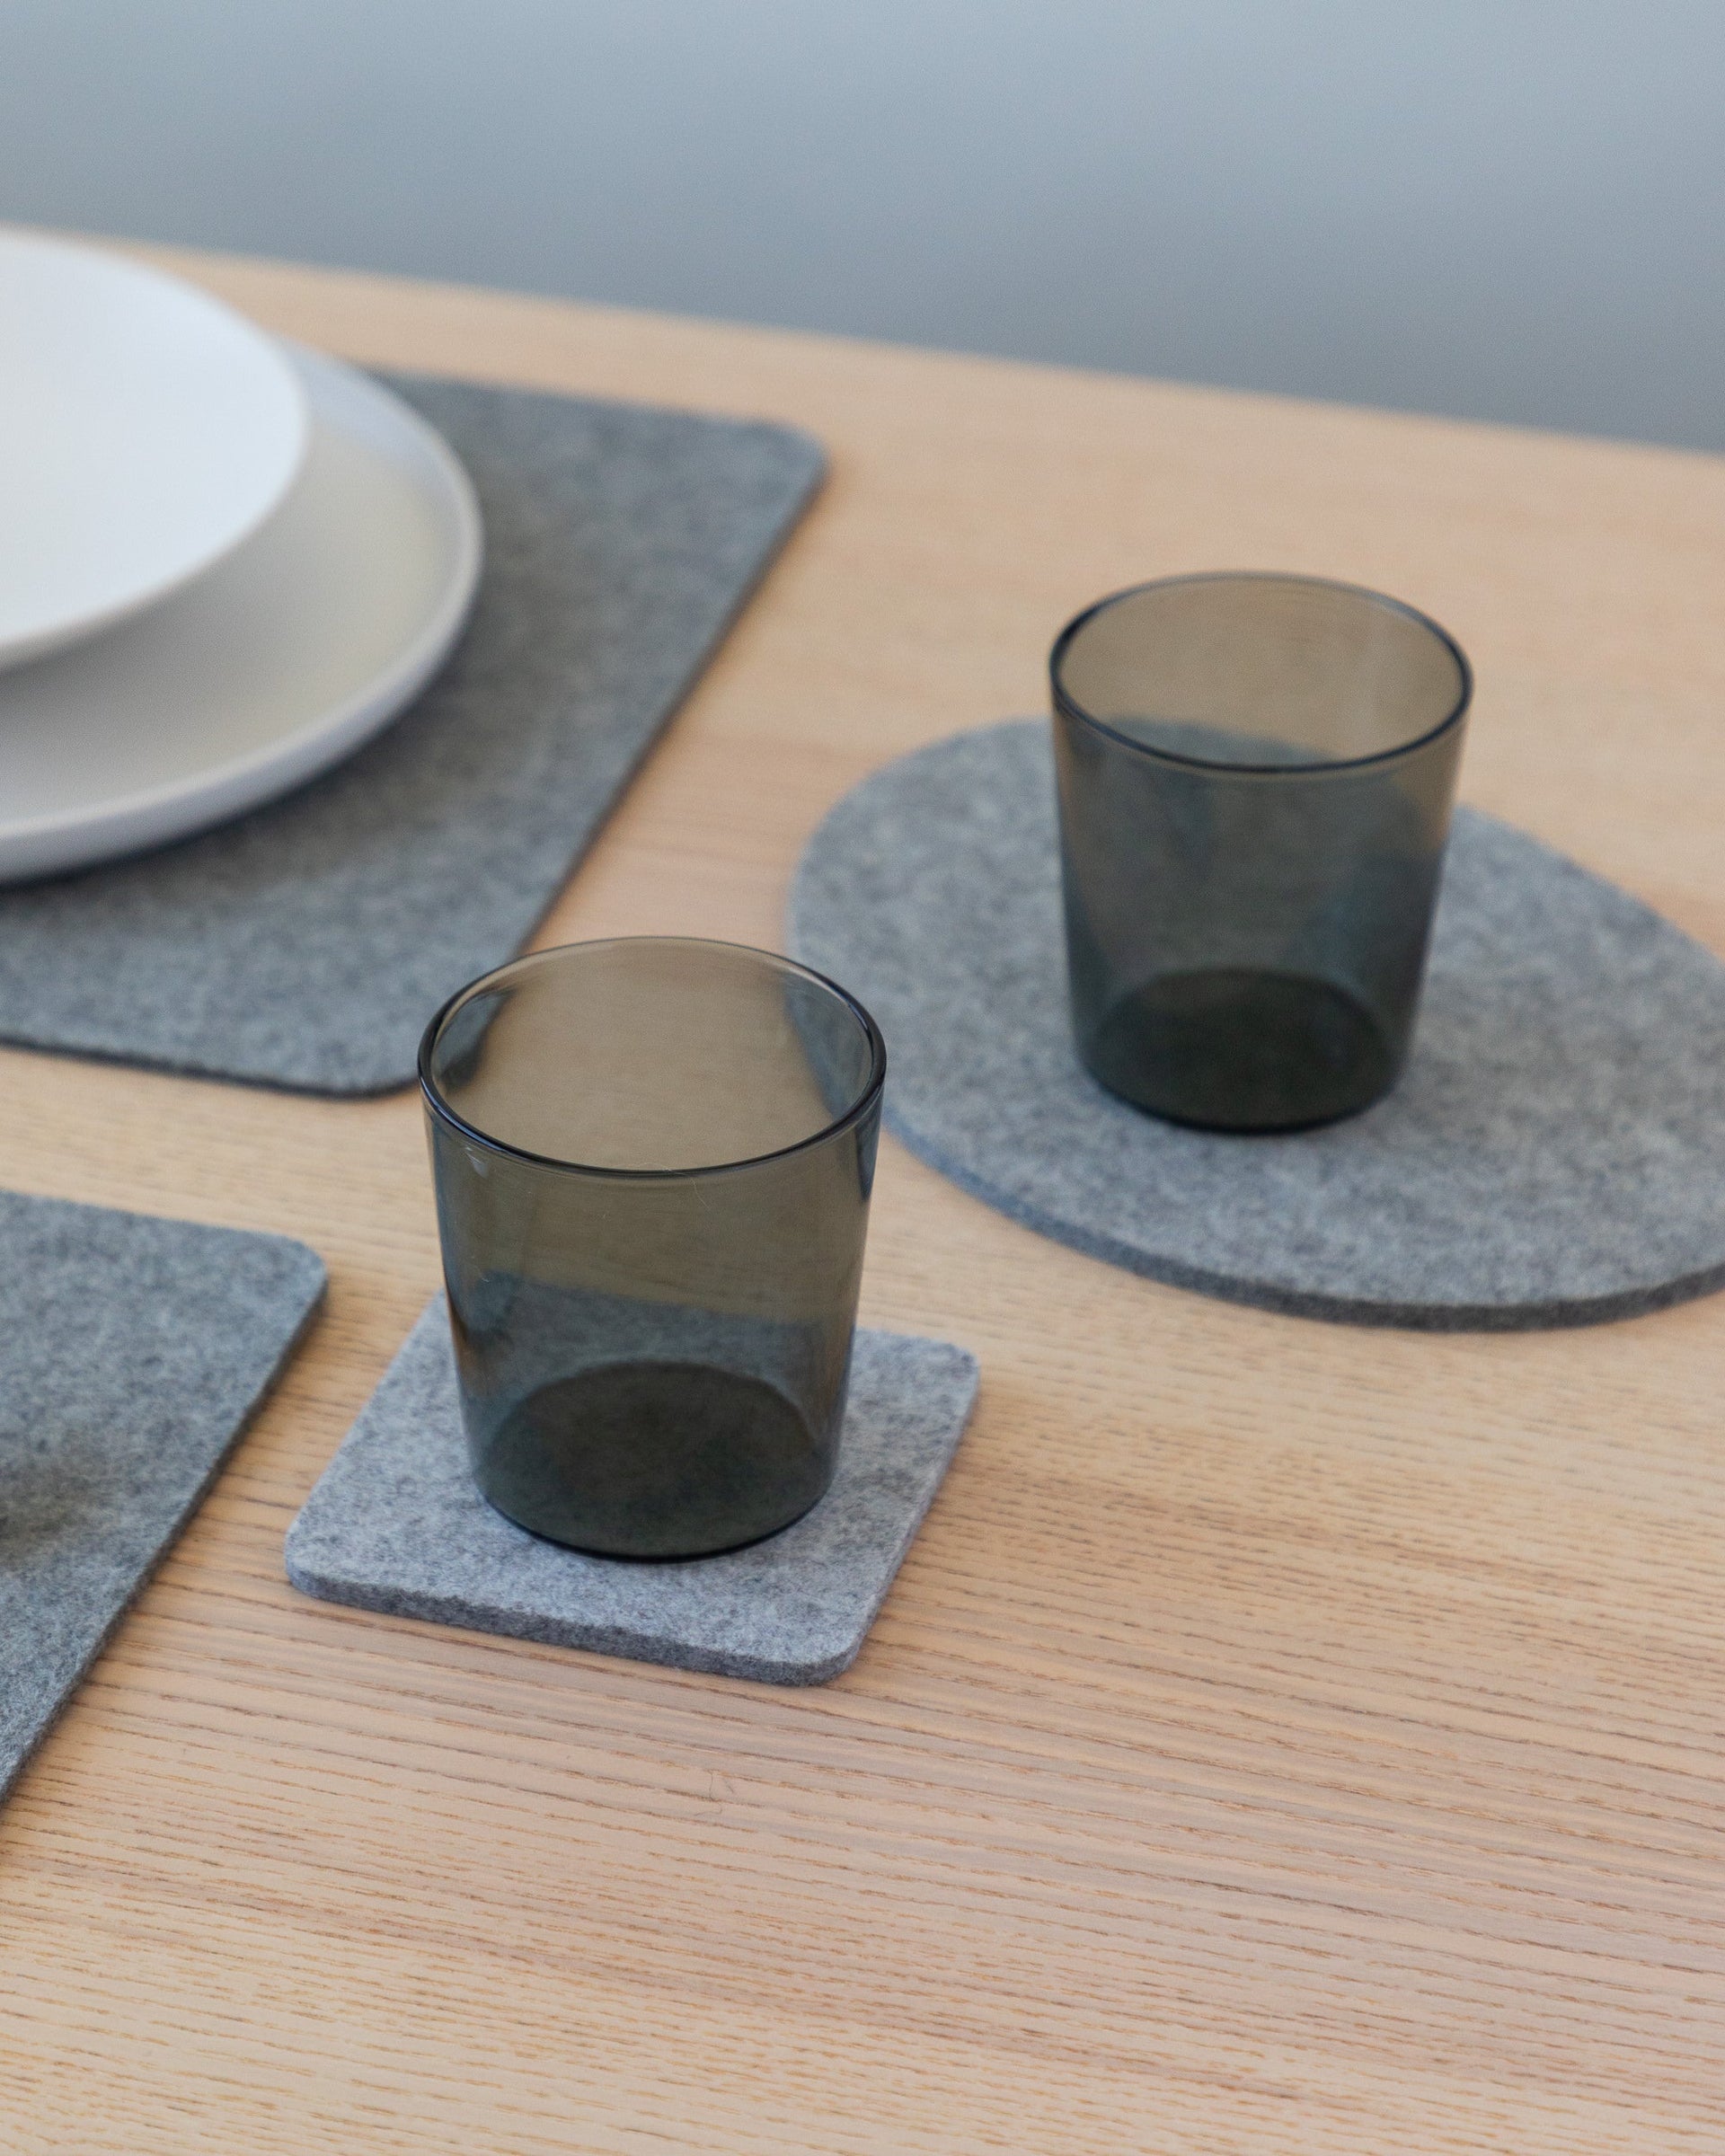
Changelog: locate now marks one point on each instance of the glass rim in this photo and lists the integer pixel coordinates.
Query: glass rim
(1070, 708)
(447, 1114)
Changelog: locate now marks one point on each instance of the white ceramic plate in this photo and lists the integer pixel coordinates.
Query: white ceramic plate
(145, 430)
(278, 662)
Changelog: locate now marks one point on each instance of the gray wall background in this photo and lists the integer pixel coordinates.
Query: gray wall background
(1512, 209)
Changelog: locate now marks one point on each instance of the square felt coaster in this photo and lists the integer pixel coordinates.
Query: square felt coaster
(136, 1352)
(396, 1524)
(306, 945)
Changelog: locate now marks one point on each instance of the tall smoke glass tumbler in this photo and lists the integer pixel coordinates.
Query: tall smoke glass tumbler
(652, 1159)
(1255, 780)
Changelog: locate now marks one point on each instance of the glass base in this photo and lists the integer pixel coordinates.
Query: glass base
(1241, 1051)
(653, 1460)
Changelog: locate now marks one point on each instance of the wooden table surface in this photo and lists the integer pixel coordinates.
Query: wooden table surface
(1282, 1736)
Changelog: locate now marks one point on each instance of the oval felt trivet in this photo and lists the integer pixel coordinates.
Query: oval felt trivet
(1553, 1155)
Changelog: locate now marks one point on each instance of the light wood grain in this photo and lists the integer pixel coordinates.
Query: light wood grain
(1283, 1737)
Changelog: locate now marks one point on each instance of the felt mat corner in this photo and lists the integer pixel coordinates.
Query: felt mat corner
(138, 1351)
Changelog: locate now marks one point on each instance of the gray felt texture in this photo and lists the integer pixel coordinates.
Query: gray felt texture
(136, 1351)
(1553, 1155)
(306, 944)
(396, 1524)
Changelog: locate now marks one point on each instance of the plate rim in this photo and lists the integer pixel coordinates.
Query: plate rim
(68, 841)
(66, 631)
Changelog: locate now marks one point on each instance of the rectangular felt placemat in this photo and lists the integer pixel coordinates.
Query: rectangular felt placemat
(136, 1351)
(396, 1524)
(308, 944)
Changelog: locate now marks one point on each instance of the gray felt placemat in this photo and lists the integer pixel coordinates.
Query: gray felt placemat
(396, 1524)
(136, 1351)
(1553, 1155)
(306, 944)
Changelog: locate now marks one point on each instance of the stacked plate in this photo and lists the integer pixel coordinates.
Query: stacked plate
(225, 564)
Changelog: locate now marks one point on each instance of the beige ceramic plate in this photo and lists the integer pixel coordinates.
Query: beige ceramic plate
(278, 662)
(146, 431)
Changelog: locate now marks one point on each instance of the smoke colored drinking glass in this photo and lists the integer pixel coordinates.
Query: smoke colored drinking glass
(1255, 781)
(652, 1159)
